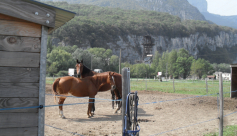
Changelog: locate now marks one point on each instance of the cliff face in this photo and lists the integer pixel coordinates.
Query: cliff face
(200, 4)
(179, 8)
(194, 43)
(132, 46)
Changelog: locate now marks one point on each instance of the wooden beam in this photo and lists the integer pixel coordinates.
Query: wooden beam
(10, 120)
(28, 11)
(15, 28)
(15, 43)
(43, 61)
(27, 131)
(19, 59)
(19, 75)
(19, 90)
(18, 102)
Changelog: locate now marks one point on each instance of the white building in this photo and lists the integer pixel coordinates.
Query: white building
(225, 76)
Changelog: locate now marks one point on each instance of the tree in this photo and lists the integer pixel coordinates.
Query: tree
(172, 63)
(59, 60)
(84, 55)
(114, 63)
(183, 63)
(201, 68)
(155, 63)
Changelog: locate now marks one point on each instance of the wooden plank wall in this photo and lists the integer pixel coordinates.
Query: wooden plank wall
(20, 45)
(233, 81)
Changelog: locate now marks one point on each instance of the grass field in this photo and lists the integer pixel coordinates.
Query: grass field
(228, 131)
(197, 87)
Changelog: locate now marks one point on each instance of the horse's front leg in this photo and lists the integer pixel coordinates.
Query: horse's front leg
(112, 97)
(60, 102)
(90, 105)
(119, 106)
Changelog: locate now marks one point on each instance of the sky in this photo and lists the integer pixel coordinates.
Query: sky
(222, 7)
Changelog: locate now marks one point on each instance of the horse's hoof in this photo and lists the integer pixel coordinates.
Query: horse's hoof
(63, 117)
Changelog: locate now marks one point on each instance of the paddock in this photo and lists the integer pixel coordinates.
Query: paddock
(154, 118)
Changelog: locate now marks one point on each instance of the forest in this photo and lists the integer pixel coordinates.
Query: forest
(177, 64)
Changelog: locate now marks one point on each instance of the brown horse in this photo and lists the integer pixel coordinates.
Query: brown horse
(88, 86)
(83, 71)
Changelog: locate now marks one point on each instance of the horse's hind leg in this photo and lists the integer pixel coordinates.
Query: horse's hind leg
(60, 102)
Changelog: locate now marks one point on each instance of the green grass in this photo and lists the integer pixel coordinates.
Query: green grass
(197, 87)
(228, 131)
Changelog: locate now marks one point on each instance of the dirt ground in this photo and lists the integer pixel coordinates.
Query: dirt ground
(179, 116)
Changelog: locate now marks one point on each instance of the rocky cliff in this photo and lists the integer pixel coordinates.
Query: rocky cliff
(133, 49)
(200, 4)
(179, 8)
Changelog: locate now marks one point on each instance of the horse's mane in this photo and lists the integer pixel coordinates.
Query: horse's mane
(86, 70)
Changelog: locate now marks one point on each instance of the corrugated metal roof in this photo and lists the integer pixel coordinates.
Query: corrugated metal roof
(62, 15)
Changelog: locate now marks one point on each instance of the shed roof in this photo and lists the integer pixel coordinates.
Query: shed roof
(34, 11)
(62, 15)
(233, 65)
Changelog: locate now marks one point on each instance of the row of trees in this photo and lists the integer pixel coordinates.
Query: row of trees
(177, 64)
(59, 59)
(172, 64)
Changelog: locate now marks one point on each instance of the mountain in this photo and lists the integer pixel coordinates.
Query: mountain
(130, 30)
(179, 8)
(230, 21)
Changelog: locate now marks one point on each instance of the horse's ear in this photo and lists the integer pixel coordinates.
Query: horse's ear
(78, 61)
(82, 61)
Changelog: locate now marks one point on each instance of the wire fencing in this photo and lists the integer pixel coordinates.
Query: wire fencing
(162, 85)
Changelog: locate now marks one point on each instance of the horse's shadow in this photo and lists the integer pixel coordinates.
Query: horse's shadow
(113, 117)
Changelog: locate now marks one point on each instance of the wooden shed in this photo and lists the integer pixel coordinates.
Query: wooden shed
(24, 27)
(233, 77)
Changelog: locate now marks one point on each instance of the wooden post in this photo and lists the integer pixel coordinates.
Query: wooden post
(91, 62)
(173, 85)
(206, 86)
(120, 62)
(221, 105)
(43, 55)
(126, 91)
(146, 83)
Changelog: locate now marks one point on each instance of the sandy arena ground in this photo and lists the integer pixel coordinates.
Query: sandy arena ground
(156, 118)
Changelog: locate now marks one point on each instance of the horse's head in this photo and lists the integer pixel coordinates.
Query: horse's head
(79, 68)
(111, 80)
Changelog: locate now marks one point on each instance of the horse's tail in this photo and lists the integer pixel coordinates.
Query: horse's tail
(54, 87)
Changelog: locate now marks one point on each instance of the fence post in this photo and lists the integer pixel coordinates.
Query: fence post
(126, 91)
(206, 86)
(146, 83)
(53, 78)
(173, 85)
(221, 105)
